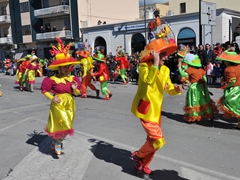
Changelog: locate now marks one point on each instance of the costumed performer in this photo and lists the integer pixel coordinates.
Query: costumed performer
(124, 64)
(154, 78)
(30, 71)
(183, 75)
(230, 101)
(59, 89)
(19, 73)
(103, 74)
(198, 104)
(86, 63)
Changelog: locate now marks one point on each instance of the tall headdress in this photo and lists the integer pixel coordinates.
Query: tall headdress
(161, 37)
(84, 50)
(61, 55)
(120, 51)
(98, 54)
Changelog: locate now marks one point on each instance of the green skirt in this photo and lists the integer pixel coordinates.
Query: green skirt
(230, 102)
(198, 103)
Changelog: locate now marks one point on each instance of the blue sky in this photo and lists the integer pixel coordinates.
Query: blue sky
(141, 2)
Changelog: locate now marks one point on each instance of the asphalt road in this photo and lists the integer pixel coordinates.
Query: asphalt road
(105, 135)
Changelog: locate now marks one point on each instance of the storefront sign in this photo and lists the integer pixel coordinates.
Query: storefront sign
(129, 27)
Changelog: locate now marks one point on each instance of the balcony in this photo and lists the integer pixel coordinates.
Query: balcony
(5, 19)
(52, 11)
(64, 34)
(5, 40)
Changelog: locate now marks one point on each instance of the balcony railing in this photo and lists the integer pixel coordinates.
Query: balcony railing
(52, 11)
(5, 19)
(67, 34)
(5, 40)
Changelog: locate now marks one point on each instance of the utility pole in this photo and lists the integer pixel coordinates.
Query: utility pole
(200, 25)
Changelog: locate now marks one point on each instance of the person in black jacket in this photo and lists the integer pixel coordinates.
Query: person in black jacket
(202, 54)
(210, 53)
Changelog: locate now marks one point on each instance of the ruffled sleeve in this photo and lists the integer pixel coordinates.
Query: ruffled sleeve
(47, 84)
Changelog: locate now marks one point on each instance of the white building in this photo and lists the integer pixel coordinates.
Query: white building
(131, 35)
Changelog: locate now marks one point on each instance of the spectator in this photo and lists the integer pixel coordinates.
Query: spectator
(202, 54)
(54, 28)
(99, 22)
(218, 73)
(64, 28)
(104, 22)
(42, 30)
(210, 53)
(209, 71)
(64, 2)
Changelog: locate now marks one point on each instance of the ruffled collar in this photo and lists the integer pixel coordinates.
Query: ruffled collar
(62, 79)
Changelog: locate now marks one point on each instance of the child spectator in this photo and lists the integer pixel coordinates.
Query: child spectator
(209, 72)
(218, 72)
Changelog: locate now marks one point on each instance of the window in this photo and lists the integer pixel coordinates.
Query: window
(182, 7)
(26, 30)
(3, 10)
(24, 7)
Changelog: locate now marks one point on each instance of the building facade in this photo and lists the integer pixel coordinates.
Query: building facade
(131, 35)
(34, 24)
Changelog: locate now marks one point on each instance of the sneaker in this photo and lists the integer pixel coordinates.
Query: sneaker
(137, 161)
(106, 98)
(97, 92)
(124, 83)
(147, 171)
(110, 95)
(83, 96)
(21, 88)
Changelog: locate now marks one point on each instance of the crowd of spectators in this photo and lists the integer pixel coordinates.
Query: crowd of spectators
(207, 53)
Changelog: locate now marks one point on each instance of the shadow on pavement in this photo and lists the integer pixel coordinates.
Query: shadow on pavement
(228, 124)
(121, 157)
(42, 142)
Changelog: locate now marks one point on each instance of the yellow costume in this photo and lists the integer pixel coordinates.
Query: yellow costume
(147, 103)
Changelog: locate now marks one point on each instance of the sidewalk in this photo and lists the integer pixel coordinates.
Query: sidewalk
(41, 164)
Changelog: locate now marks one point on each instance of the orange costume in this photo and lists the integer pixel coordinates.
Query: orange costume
(147, 103)
(87, 68)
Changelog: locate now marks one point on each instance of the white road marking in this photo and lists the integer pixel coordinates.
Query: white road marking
(22, 107)
(181, 163)
(3, 129)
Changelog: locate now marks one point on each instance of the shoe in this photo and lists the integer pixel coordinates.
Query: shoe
(58, 149)
(236, 127)
(147, 171)
(97, 92)
(110, 95)
(21, 88)
(124, 83)
(83, 96)
(106, 98)
(137, 161)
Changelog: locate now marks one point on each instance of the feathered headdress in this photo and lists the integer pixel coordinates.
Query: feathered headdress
(61, 55)
(161, 37)
(183, 51)
(120, 51)
(84, 50)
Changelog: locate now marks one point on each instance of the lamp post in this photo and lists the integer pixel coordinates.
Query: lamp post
(145, 22)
